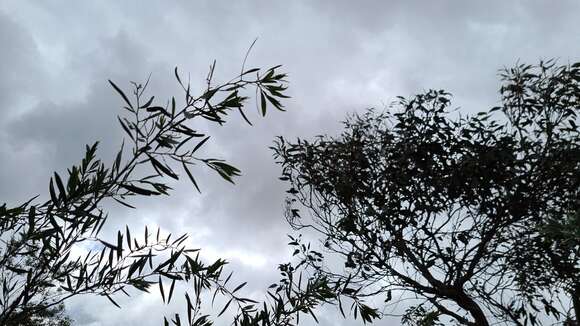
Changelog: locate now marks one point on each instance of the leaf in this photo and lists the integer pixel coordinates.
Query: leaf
(119, 244)
(119, 156)
(313, 316)
(121, 93)
(340, 308)
(16, 270)
(239, 287)
(189, 306)
(162, 167)
(158, 109)
(60, 186)
(249, 71)
(137, 190)
(171, 290)
(133, 268)
(244, 116)
(148, 103)
(128, 234)
(31, 219)
(200, 144)
(52, 193)
(113, 301)
(225, 170)
(173, 106)
(190, 176)
(209, 94)
(177, 76)
(275, 102)
(108, 245)
(183, 142)
(225, 307)
(126, 128)
(263, 103)
(123, 203)
(161, 289)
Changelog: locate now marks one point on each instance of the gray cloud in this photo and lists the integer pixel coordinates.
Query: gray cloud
(342, 56)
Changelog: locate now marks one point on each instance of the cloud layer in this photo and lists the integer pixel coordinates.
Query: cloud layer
(342, 56)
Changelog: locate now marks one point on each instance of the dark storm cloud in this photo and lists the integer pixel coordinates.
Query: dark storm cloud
(342, 56)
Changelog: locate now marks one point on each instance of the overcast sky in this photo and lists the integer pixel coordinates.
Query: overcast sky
(341, 56)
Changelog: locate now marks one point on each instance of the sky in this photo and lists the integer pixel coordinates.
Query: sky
(341, 57)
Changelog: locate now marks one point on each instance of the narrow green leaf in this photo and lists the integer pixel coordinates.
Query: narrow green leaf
(177, 76)
(249, 71)
(189, 306)
(173, 106)
(190, 176)
(126, 128)
(148, 103)
(119, 244)
(121, 93)
(137, 190)
(128, 234)
(113, 301)
(162, 167)
(60, 186)
(244, 116)
(225, 307)
(161, 289)
(200, 144)
(171, 290)
(123, 203)
(119, 156)
(239, 287)
(31, 219)
(52, 192)
(263, 103)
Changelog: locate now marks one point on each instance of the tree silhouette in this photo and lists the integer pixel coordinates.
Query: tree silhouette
(38, 272)
(474, 219)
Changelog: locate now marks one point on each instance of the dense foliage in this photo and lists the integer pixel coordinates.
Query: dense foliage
(472, 219)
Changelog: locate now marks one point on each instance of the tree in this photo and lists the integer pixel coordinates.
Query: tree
(39, 273)
(548, 111)
(469, 217)
(53, 316)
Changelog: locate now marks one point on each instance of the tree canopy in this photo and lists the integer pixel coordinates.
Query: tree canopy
(473, 219)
